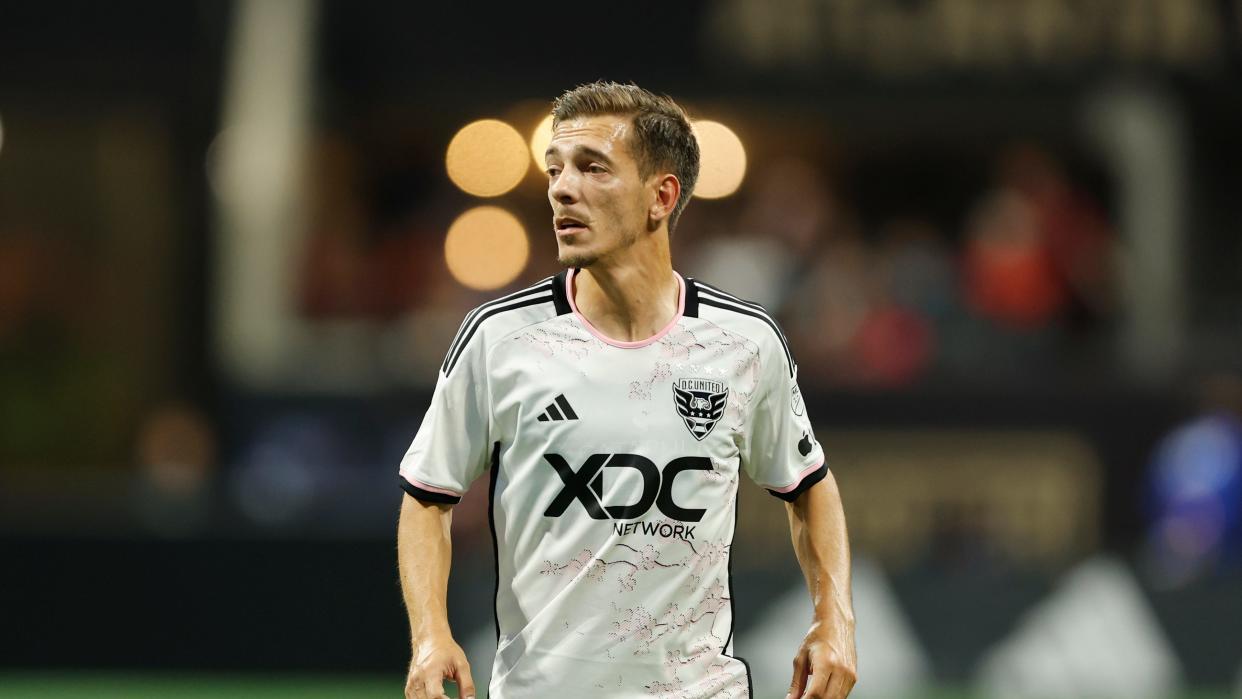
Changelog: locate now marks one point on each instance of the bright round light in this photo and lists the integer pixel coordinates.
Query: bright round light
(486, 158)
(486, 247)
(722, 163)
(539, 140)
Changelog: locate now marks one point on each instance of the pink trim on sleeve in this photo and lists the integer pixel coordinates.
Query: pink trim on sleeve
(801, 477)
(430, 488)
(681, 308)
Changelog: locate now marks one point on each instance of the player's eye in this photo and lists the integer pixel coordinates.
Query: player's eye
(596, 169)
(553, 171)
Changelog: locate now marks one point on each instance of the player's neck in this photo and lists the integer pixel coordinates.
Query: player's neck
(632, 298)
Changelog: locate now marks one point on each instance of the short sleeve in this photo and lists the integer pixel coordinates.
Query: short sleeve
(453, 444)
(780, 452)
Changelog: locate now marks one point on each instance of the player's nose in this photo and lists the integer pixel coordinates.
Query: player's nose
(564, 188)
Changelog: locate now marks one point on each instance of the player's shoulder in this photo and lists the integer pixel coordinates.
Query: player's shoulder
(502, 315)
(738, 315)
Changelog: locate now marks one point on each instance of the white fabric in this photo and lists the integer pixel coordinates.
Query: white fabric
(639, 605)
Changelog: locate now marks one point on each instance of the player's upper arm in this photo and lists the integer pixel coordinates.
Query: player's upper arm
(453, 444)
(781, 452)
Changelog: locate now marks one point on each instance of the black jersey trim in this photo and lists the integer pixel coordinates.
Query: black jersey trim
(558, 294)
(533, 288)
(451, 360)
(708, 300)
(726, 296)
(692, 299)
(469, 322)
(427, 495)
(491, 524)
(722, 294)
(724, 650)
(466, 323)
(732, 297)
(811, 479)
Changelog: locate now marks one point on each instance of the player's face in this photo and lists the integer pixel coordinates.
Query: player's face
(599, 202)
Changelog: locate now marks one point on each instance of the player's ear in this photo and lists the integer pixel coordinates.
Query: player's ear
(667, 193)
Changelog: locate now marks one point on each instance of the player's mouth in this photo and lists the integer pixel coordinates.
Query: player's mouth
(566, 225)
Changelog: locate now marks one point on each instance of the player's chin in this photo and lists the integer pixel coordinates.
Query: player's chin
(576, 261)
(568, 256)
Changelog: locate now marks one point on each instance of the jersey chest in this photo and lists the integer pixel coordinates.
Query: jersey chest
(558, 386)
(589, 429)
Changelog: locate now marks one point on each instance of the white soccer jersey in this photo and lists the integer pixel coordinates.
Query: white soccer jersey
(614, 477)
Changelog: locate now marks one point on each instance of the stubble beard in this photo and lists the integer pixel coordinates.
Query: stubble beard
(586, 259)
(577, 259)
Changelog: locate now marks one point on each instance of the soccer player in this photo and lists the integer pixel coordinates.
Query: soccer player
(615, 407)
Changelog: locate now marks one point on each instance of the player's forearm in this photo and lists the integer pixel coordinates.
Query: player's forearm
(424, 555)
(817, 527)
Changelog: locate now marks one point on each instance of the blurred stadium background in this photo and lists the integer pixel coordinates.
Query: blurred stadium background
(1004, 239)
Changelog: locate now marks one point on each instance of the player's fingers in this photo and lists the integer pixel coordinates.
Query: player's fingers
(816, 684)
(465, 683)
(843, 677)
(836, 688)
(848, 679)
(414, 686)
(435, 687)
(799, 675)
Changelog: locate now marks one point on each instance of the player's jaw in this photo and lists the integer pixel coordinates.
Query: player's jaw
(577, 247)
(584, 245)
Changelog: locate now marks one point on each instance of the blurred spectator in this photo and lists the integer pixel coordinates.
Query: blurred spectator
(1036, 246)
(177, 460)
(749, 266)
(865, 315)
(370, 250)
(914, 295)
(1008, 272)
(894, 346)
(1194, 490)
(1077, 235)
(917, 269)
(789, 211)
(829, 308)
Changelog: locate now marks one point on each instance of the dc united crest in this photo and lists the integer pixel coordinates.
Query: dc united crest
(701, 403)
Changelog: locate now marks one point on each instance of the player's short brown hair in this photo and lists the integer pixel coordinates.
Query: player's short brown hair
(662, 137)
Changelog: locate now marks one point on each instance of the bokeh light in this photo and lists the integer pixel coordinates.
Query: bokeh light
(486, 247)
(540, 137)
(486, 158)
(723, 160)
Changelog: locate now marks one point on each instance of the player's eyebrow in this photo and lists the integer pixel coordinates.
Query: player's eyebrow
(588, 151)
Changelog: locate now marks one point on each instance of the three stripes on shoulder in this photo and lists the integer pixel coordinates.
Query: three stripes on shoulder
(712, 296)
(540, 292)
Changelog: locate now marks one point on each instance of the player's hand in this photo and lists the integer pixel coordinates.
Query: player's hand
(826, 666)
(436, 659)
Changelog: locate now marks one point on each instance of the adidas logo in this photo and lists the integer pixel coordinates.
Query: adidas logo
(559, 410)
